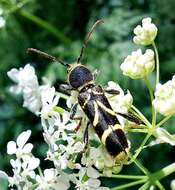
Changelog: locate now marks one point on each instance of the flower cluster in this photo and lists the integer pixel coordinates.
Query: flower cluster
(25, 163)
(164, 101)
(138, 65)
(146, 33)
(64, 142)
(74, 161)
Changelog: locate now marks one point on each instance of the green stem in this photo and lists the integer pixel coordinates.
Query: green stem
(141, 116)
(140, 148)
(150, 89)
(157, 62)
(126, 176)
(159, 185)
(138, 130)
(145, 186)
(134, 183)
(141, 167)
(163, 121)
(164, 172)
(46, 26)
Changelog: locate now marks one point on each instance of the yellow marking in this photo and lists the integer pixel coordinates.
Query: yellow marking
(108, 131)
(97, 93)
(105, 108)
(96, 117)
(81, 87)
(122, 156)
(87, 100)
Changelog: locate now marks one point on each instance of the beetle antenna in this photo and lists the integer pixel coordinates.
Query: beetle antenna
(87, 39)
(46, 56)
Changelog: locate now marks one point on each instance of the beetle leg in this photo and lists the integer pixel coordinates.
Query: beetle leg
(73, 111)
(86, 137)
(65, 87)
(112, 91)
(130, 117)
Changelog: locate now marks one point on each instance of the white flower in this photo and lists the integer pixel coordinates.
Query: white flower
(90, 182)
(27, 84)
(164, 101)
(24, 77)
(121, 102)
(51, 180)
(20, 147)
(63, 125)
(146, 33)
(49, 102)
(138, 65)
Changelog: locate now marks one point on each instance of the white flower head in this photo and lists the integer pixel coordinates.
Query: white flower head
(138, 65)
(27, 84)
(121, 102)
(20, 147)
(164, 101)
(49, 102)
(146, 33)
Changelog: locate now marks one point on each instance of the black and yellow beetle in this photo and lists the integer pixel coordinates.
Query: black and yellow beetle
(95, 105)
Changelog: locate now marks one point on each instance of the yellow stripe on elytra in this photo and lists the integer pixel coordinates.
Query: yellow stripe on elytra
(87, 100)
(108, 110)
(108, 131)
(96, 117)
(122, 155)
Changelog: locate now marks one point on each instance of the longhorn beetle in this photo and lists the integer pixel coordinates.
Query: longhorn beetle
(95, 104)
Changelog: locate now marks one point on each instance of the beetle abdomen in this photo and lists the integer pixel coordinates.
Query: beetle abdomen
(97, 108)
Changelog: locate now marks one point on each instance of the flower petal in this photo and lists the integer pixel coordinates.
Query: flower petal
(28, 148)
(11, 147)
(23, 138)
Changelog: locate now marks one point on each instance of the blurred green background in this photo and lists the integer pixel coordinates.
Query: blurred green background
(59, 27)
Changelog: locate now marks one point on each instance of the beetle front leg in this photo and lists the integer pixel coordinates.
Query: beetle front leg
(65, 87)
(86, 137)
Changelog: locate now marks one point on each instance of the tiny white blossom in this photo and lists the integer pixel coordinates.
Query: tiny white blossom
(146, 33)
(20, 147)
(90, 182)
(138, 65)
(51, 180)
(164, 101)
(49, 102)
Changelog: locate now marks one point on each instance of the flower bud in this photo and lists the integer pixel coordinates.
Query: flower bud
(164, 101)
(146, 33)
(138, 65)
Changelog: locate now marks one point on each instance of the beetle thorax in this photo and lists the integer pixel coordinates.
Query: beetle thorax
(79, 76)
